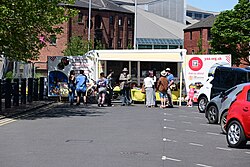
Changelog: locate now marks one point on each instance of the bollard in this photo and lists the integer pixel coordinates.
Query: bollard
(8, 92)
(0, 95)
(41, 88)
(30, 90)
(16, 92)
(23, 90)
(35, 92)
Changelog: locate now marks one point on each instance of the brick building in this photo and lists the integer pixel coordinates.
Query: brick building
(111, 25)
(199, 33)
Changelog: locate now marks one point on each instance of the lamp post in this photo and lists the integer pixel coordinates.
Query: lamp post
(135, 27)
(89, 23)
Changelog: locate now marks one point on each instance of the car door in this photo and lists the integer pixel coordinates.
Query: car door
(246, 113)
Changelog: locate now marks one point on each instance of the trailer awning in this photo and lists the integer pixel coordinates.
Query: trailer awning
(141, 55)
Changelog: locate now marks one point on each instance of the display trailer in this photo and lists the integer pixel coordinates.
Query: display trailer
(138, 63)
(59, 68)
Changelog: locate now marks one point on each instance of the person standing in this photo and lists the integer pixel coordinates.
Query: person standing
(81, 87)
(72, 86)
(102, 83)
(162, 87)
(125, 80)
(110, 87)
(170, 78)
(149, 84)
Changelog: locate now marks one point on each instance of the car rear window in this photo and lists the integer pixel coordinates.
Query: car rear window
(248, 95)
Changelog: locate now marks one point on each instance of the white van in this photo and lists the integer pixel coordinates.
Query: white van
(222, 79)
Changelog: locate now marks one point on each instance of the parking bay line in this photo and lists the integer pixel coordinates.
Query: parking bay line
(210, 133)
(196, 144)
(188, 130)
(225, 149)
(171, 159)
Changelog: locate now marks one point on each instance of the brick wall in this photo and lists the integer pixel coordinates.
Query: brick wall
(192, 44)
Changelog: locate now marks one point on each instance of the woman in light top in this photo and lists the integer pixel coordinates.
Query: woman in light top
(149, 87)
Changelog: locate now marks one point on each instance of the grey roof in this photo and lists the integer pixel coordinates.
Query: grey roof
(205, 23)
(124, 2)
(99, 5)
(152, 26)
(150, 41)
(195, 9)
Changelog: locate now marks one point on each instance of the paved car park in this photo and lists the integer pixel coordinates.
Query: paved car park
(128, 136)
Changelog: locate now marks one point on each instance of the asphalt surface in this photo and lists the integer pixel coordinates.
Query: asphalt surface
(61, 135)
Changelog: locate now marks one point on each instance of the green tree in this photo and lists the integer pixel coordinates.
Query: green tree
(199, 44)
(77, 46)
(22, 22)
(231, 32)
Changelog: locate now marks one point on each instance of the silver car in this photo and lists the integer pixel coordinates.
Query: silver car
(216, 109)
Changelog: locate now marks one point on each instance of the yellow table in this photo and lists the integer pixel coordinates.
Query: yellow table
(137, 95)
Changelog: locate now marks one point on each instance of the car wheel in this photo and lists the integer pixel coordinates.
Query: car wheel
(223, 121)
(212, 114)
(235, 135)
(202, 104)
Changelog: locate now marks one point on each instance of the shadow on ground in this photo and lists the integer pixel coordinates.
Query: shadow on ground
(66, 110)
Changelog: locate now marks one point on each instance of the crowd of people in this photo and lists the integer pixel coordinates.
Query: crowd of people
(105, 85)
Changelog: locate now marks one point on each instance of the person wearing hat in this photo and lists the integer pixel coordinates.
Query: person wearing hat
(162, 87)
(125, 80)
(170, 78)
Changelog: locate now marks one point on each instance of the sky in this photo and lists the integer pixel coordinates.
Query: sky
(213, 5)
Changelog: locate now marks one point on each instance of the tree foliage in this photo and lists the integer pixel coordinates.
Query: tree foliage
(77, 46)
(22, 22)
(231, 32)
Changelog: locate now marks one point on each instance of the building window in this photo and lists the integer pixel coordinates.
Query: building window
(208, 34)
(111, 43)
(120, 21)
(190, 14)
(198, 16)
(119, 43)
(191, 35)
(192, 52)
(80, 18)
(206, 15)
(52, 39)
(173, 46)
(129, 22)
(111, 20)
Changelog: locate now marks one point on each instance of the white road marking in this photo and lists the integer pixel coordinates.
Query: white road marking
(183, 116)
(168, 114)
(171, 159)
(247, 152)
(169, 120)
(165, 120)
(188, 130)
(165, 127)
(210, 133)
(186, 122)
(225, 149)
(196, 144)
(203, 165)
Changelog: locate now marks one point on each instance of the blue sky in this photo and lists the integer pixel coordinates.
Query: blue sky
(213, 5)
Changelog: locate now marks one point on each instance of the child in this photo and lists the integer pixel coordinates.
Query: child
(191, 95)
